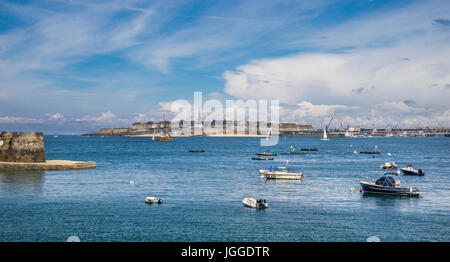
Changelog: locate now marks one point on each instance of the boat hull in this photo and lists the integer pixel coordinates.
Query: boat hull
(389, 168)
(153, 200)
(281, 175)
(163, 138)
(412, 173)
(262, 158)
(266, 154)
(385, 190)
(252, 203)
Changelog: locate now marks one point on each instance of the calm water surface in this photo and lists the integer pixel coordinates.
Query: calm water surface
(203, 192)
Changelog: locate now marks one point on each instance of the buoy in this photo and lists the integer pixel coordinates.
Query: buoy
(351, 146)
(131, 182)
(354, 152)
(262, 176)
(352, 189)
(360, 191)
(389, 154)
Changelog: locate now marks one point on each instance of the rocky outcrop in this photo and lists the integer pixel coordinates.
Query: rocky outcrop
(27, 147)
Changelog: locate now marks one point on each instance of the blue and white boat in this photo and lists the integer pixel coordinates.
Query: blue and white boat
(389, 184)
(280, 173)
(410, 171)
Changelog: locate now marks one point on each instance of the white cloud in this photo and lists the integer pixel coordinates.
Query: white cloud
(105, 117)
(396, 71)
(20, 120)
(364, 76)
(56, 117)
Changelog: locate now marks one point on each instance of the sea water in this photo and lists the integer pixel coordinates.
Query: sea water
(203, 192)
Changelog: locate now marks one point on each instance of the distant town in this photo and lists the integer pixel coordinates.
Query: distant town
(236, 128)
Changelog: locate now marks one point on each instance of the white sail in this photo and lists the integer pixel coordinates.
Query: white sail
(325, 137)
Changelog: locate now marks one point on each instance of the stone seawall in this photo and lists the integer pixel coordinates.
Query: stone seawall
(27, 147)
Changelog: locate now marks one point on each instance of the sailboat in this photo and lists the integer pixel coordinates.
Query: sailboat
(325, 137)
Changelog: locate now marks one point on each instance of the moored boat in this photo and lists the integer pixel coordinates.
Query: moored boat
(369, 152)
(255, 203)
(409, 170)
(388, 185)
(262, 158)
(163, 138)
(280, 173)
(266, 154)
(153, 200)
(389, 165)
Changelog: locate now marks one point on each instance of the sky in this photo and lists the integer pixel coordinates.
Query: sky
(71, 67)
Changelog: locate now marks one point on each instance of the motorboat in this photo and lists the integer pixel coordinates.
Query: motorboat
(255, 203)
(196, 151)
(280, 173)
(262, 158)
(153, 200)
(266, 154)
(389, 165)
(410, 171)
(388, 185)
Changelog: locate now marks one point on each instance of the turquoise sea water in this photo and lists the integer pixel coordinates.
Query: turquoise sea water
(202, 192)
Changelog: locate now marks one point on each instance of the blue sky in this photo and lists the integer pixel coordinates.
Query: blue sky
(76, 66)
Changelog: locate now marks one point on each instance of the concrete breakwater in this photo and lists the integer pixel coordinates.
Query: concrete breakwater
(26, 151)
(48, 165)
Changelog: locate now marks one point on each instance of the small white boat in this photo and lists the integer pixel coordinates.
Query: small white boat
(153, 200)
(280, 173)
(255, 203)
(389, 165)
